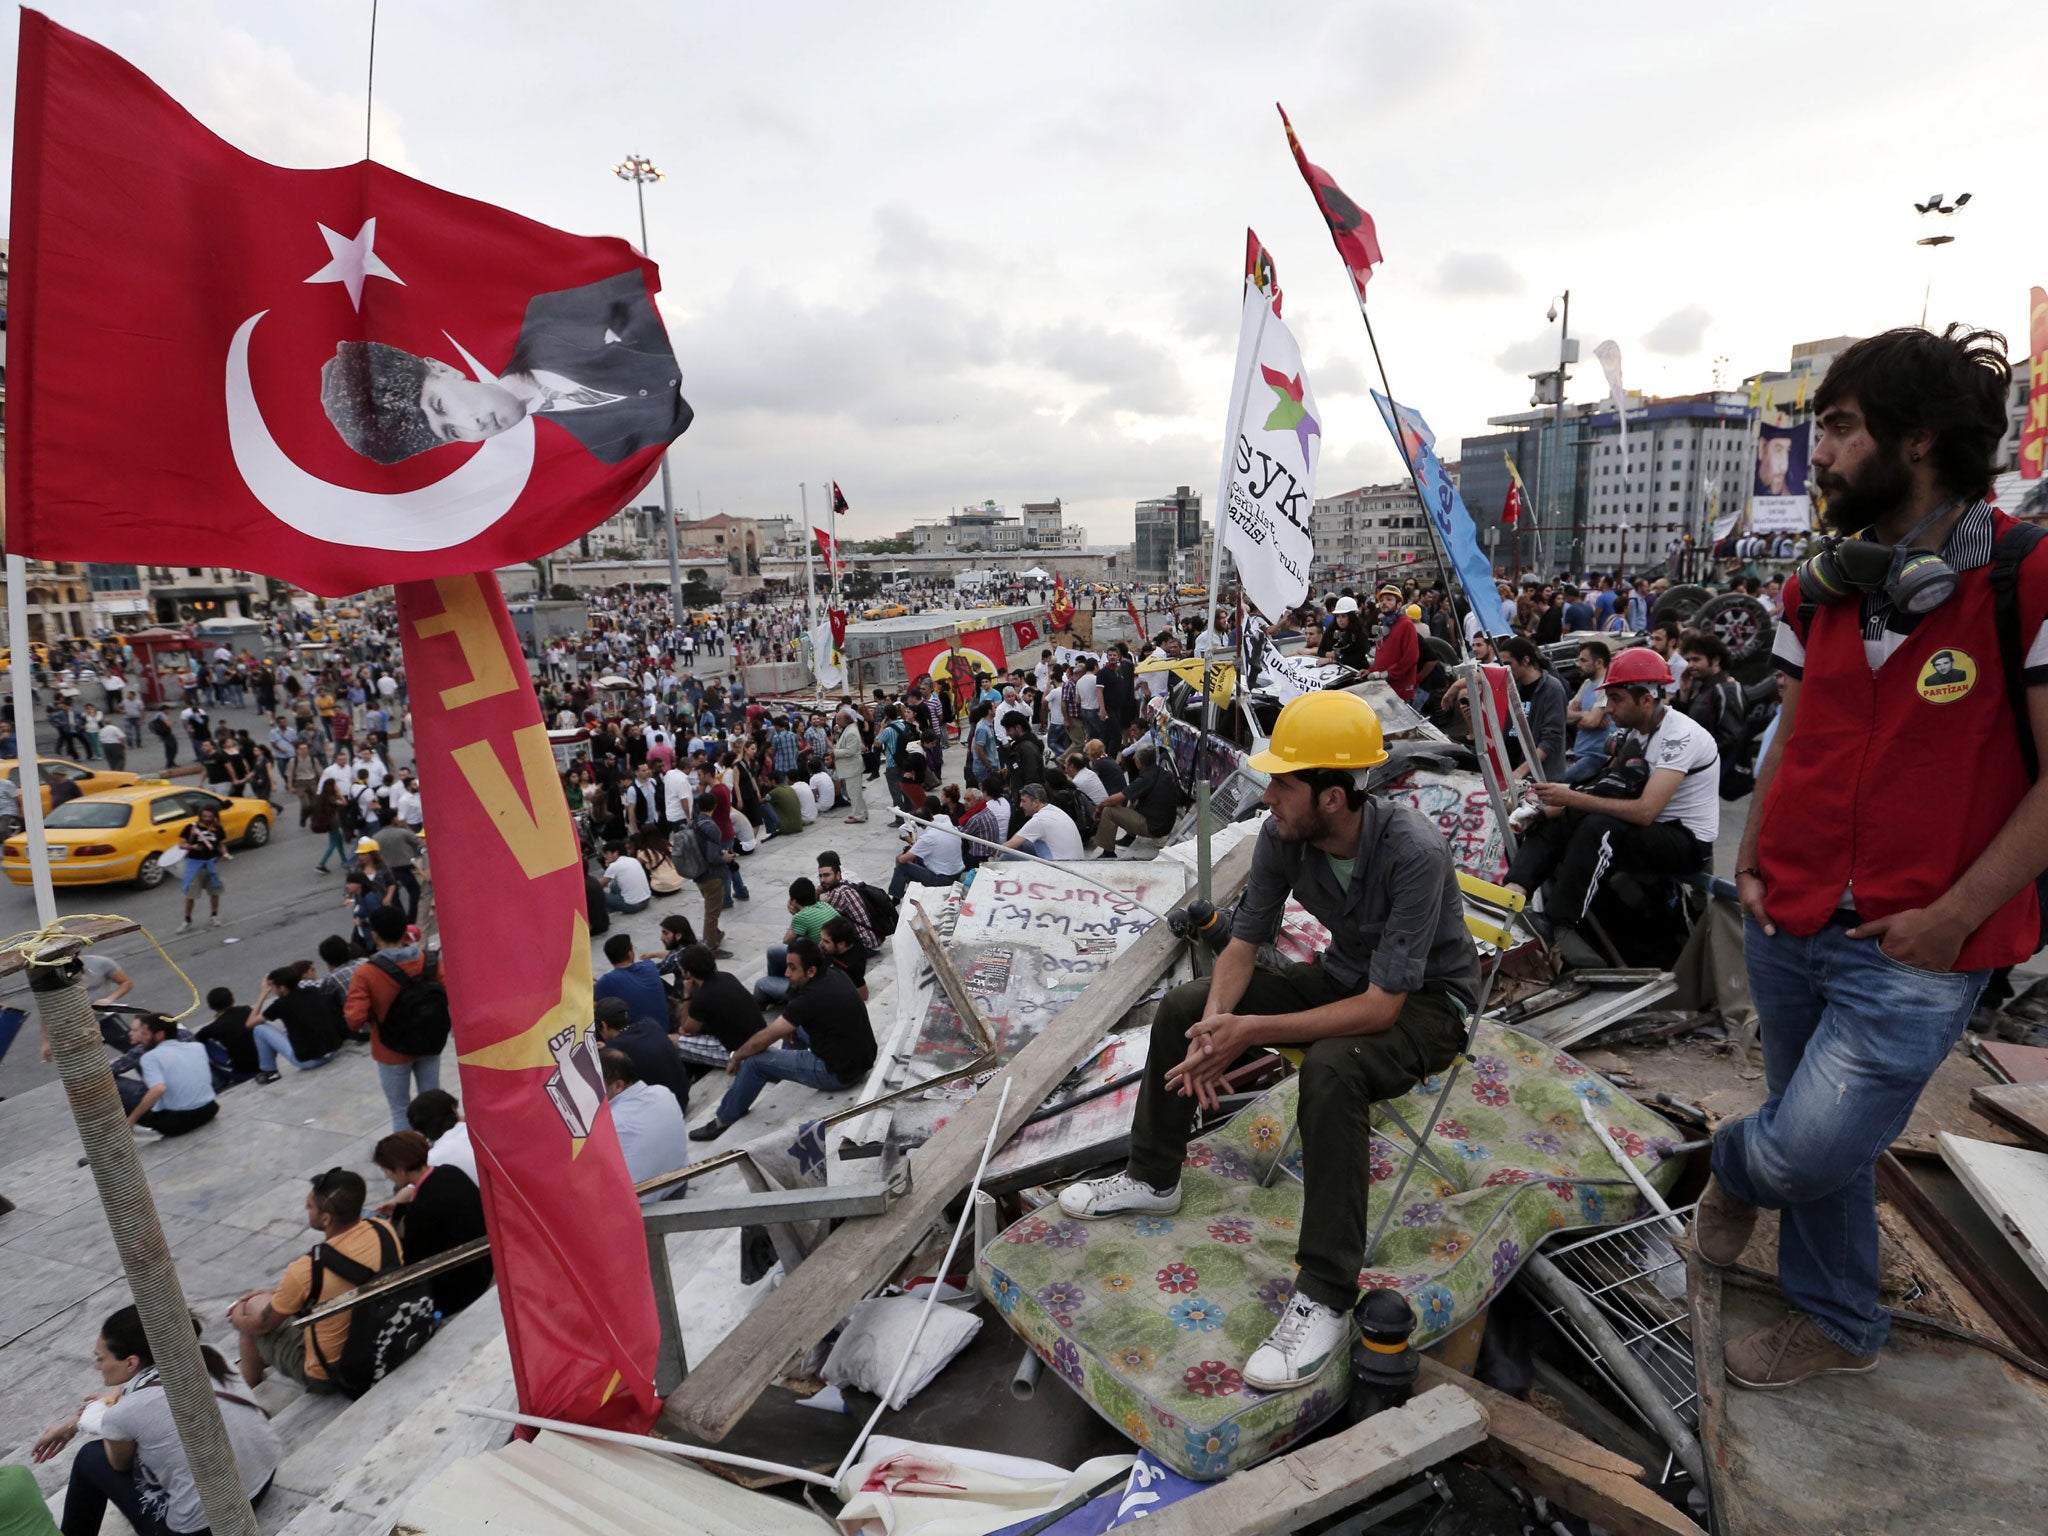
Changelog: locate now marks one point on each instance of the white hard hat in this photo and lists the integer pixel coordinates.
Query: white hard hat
(1347, 605)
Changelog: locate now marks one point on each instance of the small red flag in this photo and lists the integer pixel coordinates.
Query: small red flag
(1259, 269)
(1137, 623)
(1027, 633)
(1511, 509)
(1062, 614)
(1358, 243)
(340, 377)
(838, 498)
(836, 617)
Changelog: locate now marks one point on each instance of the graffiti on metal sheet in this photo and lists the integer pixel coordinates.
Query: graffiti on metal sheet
(1463, 811)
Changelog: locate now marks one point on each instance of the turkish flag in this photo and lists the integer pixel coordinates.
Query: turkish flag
(836, 617)
(1351, 227)
(1511, 509)
(341, 377)
(1027, 633)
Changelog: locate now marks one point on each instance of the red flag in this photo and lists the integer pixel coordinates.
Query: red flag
(1062, 614)
(1259, 269)
(566, 1236)
(2034, 431)
(1511, 509)
(341, 377)
(836, 617)
(1027, 633)
(838, 499)
(1358, 243)
(982, 648)
(1137, 623)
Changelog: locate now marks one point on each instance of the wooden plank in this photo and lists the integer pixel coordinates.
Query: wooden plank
(1562, 1464)
(1331, 1475)
(861, 1252)
(2011, 1184)
(2013, 1063)
(2016, 1319)
(2020, 1107)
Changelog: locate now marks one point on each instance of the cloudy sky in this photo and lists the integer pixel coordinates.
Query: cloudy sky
(948, 254)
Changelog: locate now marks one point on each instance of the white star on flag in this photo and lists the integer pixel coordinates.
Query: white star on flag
(351, 262)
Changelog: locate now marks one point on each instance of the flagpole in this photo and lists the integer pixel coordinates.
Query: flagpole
(810, 584)
(1443, 555)
(20, 658)
(1215, 581)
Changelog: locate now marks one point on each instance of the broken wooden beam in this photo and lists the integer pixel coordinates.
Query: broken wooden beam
(849, 1263)
(2020, 1107)
(1562, 1464)
(1326, 1477)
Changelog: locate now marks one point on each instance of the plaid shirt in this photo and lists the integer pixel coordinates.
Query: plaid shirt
(783, 744)
(853, 906)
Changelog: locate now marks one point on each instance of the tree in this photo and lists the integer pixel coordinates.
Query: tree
(889, 546)
(697, 593)
(861, 584)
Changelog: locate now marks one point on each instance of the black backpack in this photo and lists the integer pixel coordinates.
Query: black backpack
(417, 1022)
(385, 1331)
(881, 910)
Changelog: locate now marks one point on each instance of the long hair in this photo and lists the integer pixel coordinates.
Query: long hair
(1910, 380)
(122, 1334)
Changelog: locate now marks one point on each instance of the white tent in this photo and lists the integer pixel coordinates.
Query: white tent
(1036, 573)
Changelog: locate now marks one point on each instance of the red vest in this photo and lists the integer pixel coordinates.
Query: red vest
(1895, 781)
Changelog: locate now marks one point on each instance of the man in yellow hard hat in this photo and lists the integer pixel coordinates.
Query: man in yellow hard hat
(1383, 1007)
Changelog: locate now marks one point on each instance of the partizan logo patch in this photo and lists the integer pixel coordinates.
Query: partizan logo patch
(1947, 676)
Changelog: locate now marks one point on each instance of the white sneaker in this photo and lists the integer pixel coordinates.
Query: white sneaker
(1309, 1333)
(1093, 1199)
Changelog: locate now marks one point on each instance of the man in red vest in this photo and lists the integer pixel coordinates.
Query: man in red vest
(1400, 648)
(1896, 831)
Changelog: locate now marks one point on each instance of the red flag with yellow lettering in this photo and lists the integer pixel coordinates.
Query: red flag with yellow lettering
(565, 1225)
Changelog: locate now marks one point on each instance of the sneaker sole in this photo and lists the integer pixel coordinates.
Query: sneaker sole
(1126, 1210)
(1291, 1382)
(1780, 1386)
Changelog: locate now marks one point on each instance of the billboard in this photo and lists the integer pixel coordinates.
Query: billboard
(1778, 502)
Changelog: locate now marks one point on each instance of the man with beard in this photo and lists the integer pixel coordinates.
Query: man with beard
(1877, 900)
(1382, 1008)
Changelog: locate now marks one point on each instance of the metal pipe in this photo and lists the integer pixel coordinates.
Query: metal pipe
(1024, 1385)
(1629, 1372)
(57, 982)
(646, 1443)
(1628, 1166)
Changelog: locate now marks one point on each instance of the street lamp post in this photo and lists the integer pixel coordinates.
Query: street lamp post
(640, 170)
(1937, 205)
(1567, 352)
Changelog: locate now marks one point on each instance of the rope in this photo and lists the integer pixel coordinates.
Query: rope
(30, 945)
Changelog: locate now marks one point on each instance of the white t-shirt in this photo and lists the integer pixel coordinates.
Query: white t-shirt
(1682, 744)
(630, 878)
(162, 1472)
(1090, 784)
(1158, 682)
(1088, 693)
(938, 847)
(454, 1150)
(1055, 828)
(806, 802)
(821, 790)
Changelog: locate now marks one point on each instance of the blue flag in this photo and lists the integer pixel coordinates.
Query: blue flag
(1446, 509)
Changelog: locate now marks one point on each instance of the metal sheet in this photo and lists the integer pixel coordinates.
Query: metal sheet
(1945, 1436)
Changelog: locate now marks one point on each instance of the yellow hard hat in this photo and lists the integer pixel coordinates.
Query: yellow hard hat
(1413, 611)
(366, 845)
(1323, 730)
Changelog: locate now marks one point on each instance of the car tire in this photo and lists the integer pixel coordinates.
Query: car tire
(150, 873)
(258, 832)
(1739, 622)
(1679, 604)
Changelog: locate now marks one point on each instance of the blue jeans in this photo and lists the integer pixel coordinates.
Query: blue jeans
(791, 1063)
(773, 988)
(914, 872)
(1033, 845)
(770, 822)
(204, 872)
(273, 1044)
(735, 882)
(1850, 1038)
(403, 1081)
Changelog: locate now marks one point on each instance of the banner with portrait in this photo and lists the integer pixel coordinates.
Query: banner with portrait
(1778, 501)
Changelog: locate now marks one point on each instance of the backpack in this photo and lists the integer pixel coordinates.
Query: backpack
(417, 1022)
(881, 910)
(385, 1331)
(687, 850)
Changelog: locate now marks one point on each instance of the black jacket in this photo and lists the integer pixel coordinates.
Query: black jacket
(651, 1051)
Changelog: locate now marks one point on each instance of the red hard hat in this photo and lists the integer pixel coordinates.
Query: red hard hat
(1638, 665)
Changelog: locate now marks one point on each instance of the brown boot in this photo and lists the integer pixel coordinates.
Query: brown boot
(1788, 1353)
(1721, 1226)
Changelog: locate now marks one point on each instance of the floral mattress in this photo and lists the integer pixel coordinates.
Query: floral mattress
(1151, 1318)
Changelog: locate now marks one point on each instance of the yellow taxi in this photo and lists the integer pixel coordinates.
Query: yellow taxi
(122, 833)
(885, 611)
(40, 651)
(91, 780)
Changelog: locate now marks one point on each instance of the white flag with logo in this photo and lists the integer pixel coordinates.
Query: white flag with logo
(1269, 462)
(826, 664)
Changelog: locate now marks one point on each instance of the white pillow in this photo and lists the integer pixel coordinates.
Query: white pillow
(878, 1332)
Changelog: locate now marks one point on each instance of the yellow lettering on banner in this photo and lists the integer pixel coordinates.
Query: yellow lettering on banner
(466, 615)
(529, 1048)
(543, 839)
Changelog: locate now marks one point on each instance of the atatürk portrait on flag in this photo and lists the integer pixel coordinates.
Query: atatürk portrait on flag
(594, 360)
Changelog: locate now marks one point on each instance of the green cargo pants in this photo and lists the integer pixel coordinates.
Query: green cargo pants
(1341, 1078)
